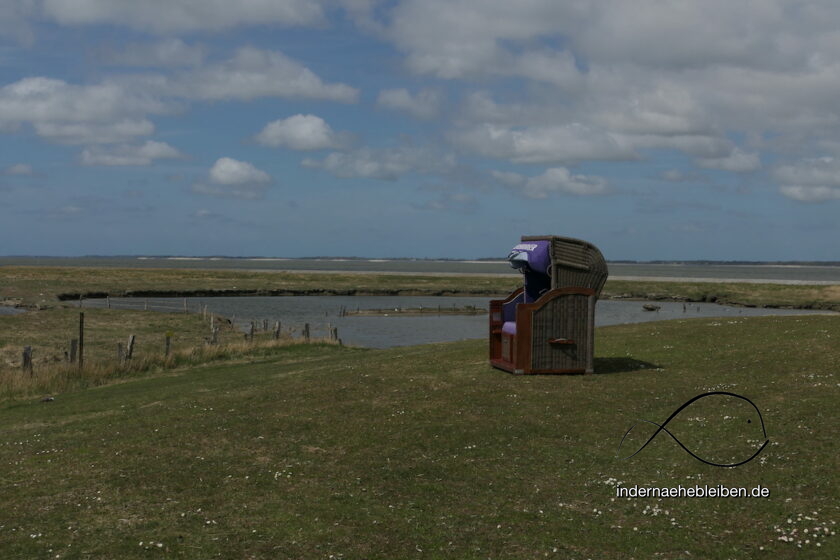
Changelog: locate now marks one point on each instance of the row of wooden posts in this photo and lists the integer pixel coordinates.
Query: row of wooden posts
(76, 354)
(332, 331)
(275, 330)
(145, 304)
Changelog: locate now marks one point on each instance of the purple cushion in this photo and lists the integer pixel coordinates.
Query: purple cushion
(509, 327)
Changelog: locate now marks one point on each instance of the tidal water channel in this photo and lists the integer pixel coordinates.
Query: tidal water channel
(396, 329)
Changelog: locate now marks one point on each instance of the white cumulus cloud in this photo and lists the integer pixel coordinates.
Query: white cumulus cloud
(299, 132)
(252, 73)
(168, 16)
(229, 171)
(425, 104)
(810, 179)
(553, 180)
(125, 154)
(738, 161)
(18, 169)
(167, 52)
(810, 193)
(74, 114)
(234, 178)
(387, 164)
(549, 144)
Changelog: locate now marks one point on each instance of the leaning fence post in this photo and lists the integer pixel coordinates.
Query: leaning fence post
(81, 339)
(129, 351)
(27, 359)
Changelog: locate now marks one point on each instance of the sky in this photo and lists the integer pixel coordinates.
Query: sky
(704, 129)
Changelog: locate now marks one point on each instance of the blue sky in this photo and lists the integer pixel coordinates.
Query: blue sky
(419, 128)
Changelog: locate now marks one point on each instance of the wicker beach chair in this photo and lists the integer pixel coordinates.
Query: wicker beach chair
(548, 325)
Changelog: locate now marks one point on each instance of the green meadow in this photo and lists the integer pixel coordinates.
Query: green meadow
(321, 451)
(284, 449)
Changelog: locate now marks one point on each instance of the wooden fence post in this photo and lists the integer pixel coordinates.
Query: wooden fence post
(276, 330)
(306, 332)
(129, 351)
(214, 339)
(27, 359)
(334, 334)
(74, 347)
(251, 332)
(108, 300)
(168, 345)
(185, 305)
(81, 339)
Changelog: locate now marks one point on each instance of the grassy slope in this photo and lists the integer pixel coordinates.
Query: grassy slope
(34, 286)
(326, 452)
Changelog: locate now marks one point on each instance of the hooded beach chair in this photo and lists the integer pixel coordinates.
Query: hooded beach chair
(548, 325)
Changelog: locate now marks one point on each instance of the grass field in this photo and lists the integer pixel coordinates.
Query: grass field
(48, 332)
(426, 452)
(41, 286)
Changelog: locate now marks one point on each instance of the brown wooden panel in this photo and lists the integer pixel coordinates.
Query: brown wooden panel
(562, 317)
(570, 254)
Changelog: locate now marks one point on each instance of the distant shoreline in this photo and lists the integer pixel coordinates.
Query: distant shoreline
(6, 260)
(826, 273)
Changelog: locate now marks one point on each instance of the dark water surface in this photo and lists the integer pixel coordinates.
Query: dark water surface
(396, 330)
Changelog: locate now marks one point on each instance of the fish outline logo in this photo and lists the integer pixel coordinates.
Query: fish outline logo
(662, 428)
